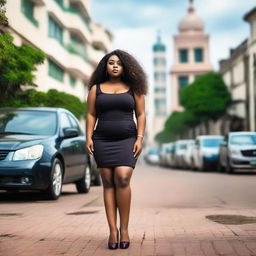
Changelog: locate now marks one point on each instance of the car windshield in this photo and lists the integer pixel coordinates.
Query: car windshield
(28, 122)
(154, 151)
(248, 139)
(181, 146)
(211, 143)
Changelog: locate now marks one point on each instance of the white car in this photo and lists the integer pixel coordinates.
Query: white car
(163, 155)
(187, 157)
(205, 153)
(170, 155)
(238, 151)
(179, 152)
(152, 156)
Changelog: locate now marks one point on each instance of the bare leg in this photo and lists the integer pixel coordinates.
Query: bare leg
(122, 176)
(107, 176)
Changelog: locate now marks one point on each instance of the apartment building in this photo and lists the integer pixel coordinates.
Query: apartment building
(64, 31)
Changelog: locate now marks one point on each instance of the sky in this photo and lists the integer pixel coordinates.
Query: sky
(134, 25)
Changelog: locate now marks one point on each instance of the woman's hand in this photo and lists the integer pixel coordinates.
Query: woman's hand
(137, 148)
(89, 146)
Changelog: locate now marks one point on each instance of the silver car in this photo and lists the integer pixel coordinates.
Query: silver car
(187, 157)
(164, 152)
(238, 151)
(179, 152)
(205, 153)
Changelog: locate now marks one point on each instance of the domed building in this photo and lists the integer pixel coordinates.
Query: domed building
(191, 54)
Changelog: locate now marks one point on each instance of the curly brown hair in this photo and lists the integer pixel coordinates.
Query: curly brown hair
(133, 74)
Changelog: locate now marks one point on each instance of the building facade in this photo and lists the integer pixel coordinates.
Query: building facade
(239, 74)
(65, 32)
(191, 55)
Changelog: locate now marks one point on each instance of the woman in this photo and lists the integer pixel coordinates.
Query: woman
(116, 91)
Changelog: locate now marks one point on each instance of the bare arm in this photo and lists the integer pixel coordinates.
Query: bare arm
(90, 118)
(141, 121)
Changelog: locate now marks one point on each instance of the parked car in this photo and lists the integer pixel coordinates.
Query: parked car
(205, 153)
(238, 151)
(170, 155)
(41, 149)
(187, 157)
(165, 149)
(152, 156)
(179, 152)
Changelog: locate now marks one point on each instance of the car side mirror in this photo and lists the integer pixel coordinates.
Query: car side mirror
(70, 132)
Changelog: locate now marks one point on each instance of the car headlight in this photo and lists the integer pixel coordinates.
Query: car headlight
(29, 153)
(235, 152)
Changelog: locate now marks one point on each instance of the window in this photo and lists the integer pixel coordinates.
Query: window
(76, 46)
(157, 89)
(198, 53)
(55, 30)
(65, 122)
(55, 71)
(59, 2)
(160, 76)
(27, 7)
(72, 81)
(74, 124)
(159, 61)
(183, 81)
(160, 106)
(183, 55)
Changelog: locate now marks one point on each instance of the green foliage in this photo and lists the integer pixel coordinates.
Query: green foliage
(164, 136)
(17, 64)
(3, 18)
(207, 96)
(53, 98)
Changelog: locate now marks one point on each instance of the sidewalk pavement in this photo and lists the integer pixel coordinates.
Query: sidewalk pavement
(161, 232)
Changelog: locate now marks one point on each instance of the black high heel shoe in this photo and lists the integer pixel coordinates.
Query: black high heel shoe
(123, 244)
(113, 245)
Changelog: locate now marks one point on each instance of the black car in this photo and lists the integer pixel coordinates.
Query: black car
(43, 148)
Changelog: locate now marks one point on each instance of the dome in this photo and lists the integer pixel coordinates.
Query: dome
(159, 46)
(191, 22)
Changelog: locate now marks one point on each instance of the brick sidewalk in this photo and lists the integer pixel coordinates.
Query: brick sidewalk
(164, 219)
(152, 231)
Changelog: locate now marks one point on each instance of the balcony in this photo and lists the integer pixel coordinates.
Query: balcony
(101, 37)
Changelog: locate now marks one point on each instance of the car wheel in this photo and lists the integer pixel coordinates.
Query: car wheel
(96, 174)
(83, 185)
(54, 190)
(97, 180)
(220, 168)
(203, 166)
(229, 168)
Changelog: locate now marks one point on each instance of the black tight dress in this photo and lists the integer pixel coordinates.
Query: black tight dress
(116, 131)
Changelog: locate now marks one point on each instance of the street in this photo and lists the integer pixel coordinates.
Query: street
(167, 217)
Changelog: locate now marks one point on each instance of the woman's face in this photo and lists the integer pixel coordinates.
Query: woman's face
(114, 66)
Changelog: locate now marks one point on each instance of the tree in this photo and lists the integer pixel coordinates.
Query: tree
(3, 18)
(17, 64)
(52, 98)
(207, 97)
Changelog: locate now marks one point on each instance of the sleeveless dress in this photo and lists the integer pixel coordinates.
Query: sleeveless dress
(116, 131)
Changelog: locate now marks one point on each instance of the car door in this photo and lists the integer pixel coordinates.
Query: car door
(69, 150)
(196, 153)
(80, 157)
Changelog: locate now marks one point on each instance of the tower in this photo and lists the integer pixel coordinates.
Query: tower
(191, 54)
(159, 86)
